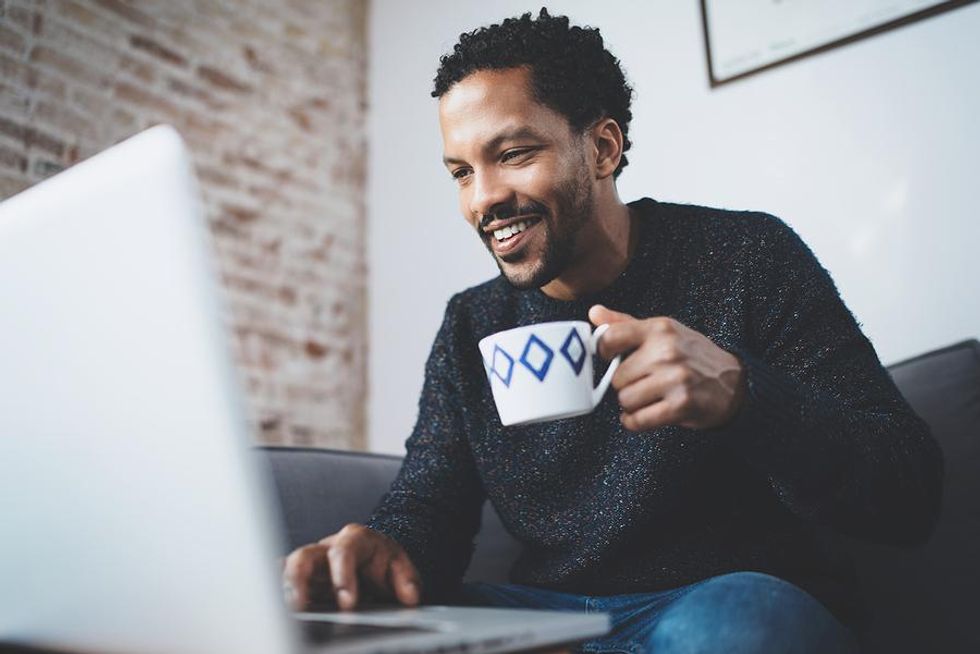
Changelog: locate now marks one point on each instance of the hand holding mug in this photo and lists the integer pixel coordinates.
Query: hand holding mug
(670, 374)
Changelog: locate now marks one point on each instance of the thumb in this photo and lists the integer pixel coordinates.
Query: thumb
(600, 315)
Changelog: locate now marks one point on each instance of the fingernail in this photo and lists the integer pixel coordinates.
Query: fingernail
(345, 599)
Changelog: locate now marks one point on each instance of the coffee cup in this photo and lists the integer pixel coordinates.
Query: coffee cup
(543, 372)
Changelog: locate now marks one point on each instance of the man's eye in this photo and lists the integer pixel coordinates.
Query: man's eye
(514, 154)
(460, 173)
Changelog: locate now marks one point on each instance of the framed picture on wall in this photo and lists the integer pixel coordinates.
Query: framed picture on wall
(744, 37)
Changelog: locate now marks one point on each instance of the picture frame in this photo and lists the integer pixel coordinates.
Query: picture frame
(746, 37)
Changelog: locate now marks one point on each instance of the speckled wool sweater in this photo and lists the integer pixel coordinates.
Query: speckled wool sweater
(823, 440)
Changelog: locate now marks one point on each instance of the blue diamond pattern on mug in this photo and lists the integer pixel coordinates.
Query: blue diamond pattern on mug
(574, 351)
(510, 365)
(537, 357)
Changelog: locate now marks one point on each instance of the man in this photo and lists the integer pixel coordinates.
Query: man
(750, 411)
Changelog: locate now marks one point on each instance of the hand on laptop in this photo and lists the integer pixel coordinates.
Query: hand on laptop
(335, 566)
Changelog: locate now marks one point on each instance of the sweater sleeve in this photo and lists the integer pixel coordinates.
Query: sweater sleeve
(433, 507)
(821, 417)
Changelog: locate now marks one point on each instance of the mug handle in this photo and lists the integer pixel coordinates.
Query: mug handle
(600, 390)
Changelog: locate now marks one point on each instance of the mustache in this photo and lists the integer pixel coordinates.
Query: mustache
(512, 210)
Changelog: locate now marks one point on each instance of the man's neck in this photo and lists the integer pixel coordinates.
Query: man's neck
(605, 246)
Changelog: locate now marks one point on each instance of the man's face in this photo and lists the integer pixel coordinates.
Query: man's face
(517, 164)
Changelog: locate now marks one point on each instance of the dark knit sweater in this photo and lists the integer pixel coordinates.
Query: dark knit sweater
(823, 441)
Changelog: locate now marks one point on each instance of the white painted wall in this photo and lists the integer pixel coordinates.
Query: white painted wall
(871, 152)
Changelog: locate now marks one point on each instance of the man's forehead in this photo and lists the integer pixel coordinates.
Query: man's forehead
(511, 83)
(489, 107)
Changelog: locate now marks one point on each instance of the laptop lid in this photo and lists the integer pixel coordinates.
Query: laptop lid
(133, 517)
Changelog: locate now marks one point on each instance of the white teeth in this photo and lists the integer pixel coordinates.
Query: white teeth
(510, 230)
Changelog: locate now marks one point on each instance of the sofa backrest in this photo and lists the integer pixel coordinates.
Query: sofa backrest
(322, 490)
(924, 599)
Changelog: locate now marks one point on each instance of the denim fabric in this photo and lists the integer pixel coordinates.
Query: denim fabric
(736, 613)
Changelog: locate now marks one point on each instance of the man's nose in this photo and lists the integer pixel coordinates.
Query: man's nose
(488, 193)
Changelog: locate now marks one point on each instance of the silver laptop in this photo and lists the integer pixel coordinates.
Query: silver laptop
(134, 516)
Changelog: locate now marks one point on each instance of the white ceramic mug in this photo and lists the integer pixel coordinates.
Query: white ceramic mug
(544, 372)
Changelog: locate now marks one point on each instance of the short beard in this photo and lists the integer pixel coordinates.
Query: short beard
(575, 207)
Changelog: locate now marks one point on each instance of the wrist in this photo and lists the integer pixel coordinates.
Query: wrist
(738, 389)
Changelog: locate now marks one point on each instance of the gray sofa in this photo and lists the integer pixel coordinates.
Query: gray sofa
(924, 599)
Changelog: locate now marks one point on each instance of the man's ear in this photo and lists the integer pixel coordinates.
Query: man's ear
(608, 140)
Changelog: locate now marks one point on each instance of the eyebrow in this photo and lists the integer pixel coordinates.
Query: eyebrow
(507, 135)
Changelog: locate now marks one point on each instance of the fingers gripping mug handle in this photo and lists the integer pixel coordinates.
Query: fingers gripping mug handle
(600, 390)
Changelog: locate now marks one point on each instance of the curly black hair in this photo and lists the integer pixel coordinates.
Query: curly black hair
(571, 71)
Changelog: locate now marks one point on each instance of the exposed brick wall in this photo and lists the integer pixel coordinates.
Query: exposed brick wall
(270, 95)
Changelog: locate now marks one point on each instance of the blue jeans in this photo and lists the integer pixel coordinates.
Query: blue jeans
(734, 613)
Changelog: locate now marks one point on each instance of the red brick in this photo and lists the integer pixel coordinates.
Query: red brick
(46, 84)
(280, 175)
(29, 20)
(124, 119)
(91, 104)
(141, 71)
(215, 177)
(68, 66)
(76, 14)
(195, 92)
(64, 36)
(11, 40)
(144, 99)
(12, 160)
(226, 228)
(221, 80)
(315, 349)
(72, 155)
(127, 11)
(63, 118)
(31, 137)
(12, 70)
(155, 49)
(11, 185)
(278, 195)
(270, 423)
(321, 104)
(241, 214)
(204, 128)
(14, 100)
(256, 62)
(273, 338)
(301, 118)
(271, 246)
(287, 295)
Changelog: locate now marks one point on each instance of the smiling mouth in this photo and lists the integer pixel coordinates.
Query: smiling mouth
(507, 239)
